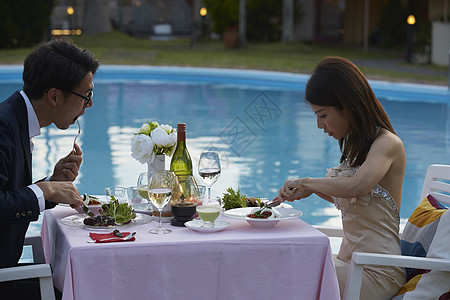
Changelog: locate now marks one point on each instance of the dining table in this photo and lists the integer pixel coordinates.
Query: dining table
(291, 260)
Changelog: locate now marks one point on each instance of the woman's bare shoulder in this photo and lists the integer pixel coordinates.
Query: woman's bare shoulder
(387, 138)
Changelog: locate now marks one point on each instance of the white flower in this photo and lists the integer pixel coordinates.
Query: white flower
(142, 148)
(166, 128)
(161, 136)
(152, 139)
(145, 129)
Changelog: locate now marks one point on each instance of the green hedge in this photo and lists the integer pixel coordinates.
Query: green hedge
(23, 22)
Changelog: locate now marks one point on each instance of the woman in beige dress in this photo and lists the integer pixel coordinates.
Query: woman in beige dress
(367, 186)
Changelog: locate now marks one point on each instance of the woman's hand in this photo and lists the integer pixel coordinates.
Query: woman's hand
(293, 189)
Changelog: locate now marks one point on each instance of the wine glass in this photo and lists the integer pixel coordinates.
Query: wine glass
(159, 192)
(142, 184)
(117, 192)
(209, 169)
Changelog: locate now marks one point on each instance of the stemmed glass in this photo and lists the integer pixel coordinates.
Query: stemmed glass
(159, 192)
(142, 184)
(209, 169)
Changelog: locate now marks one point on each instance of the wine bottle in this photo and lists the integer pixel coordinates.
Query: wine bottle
(181, 163)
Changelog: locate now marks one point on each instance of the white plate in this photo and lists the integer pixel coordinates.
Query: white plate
(284, 213)
(196, 225)
(77, 221)
(143, 208)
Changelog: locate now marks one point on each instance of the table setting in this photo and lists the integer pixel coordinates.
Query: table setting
(169, 226)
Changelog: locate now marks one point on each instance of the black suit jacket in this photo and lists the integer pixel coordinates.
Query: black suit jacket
(18, 204)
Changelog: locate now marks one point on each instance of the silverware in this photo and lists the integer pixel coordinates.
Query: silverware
(74, 141)
(79, 131)
(272, 203)
(125, 238)
(87, 210)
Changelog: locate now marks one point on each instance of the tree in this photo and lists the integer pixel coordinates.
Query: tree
(264, 17)
(24, 23)
(392, 24)
(96, 17)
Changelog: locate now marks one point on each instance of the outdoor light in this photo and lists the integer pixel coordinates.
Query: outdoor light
(70, 10)
(411, 20)
(58, 32)
(203, 11)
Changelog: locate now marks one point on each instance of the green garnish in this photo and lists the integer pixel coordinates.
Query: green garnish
(121, 212)
(260, 204)
(232, 199)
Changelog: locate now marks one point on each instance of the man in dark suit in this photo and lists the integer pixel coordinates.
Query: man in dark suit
(57, 89)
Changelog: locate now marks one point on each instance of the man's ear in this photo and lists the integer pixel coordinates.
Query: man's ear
(53, 96)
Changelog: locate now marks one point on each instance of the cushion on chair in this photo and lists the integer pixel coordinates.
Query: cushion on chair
(426, 234)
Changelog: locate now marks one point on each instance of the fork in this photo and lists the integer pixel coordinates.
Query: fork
(79, 131)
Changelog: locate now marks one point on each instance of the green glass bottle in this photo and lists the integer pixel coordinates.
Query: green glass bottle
(183, 206)
(181, 163)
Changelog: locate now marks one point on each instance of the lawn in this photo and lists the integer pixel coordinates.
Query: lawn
(118, 48)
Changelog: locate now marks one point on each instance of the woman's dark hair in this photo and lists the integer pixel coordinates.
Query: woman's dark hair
(56, 64)
(339, 83)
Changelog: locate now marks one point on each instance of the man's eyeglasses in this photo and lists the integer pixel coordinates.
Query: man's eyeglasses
(87, 98)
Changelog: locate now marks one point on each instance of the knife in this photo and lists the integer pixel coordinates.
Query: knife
(87, 210)
(84, 206)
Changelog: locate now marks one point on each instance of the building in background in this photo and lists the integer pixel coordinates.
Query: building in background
(349, 22)
(141, 18)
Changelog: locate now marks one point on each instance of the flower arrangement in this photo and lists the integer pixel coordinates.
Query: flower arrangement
(152, 139)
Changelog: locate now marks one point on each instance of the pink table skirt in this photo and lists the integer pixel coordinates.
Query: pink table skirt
(290, 261)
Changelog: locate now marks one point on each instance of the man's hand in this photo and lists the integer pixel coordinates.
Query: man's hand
(61, 192)
(66, 169)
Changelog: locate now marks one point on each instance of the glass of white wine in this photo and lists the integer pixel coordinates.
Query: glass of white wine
(159, 192)
(209, 169)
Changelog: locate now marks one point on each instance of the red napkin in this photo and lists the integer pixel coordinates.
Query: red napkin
(98, 237)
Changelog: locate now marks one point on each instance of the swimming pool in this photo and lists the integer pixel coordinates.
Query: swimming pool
(257, 121)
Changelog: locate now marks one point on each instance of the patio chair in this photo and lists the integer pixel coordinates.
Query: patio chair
(437, 185)
(38, 270)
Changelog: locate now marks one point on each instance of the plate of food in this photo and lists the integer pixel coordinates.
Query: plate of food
(110, 215)
(234, 199)
(78, 220)
(264, 217)
(254, 209)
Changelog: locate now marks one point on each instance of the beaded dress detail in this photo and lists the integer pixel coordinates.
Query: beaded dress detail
(370, 224)
(344, 204)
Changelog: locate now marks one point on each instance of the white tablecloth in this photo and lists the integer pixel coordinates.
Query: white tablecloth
(290, 261)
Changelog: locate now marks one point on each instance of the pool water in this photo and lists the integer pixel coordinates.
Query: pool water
(265, 133)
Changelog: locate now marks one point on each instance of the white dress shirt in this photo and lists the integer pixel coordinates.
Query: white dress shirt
(34, 130)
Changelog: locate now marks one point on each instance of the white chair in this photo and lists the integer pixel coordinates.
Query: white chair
(436, 183)
(39, 270)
